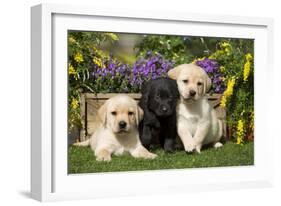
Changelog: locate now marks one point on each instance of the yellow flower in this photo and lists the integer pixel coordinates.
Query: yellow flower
(223, 101)
(71, 40)
(198, 59)
(74, 104)
(247, 67)
(228, 92)
(225, 44)
(212, 56)
(227, 47)
(216, 54)
(78, 57)
(252, 120)
(246, 71)
(249, 57)
(175, 55)
(112, 36)
(94, 49)
(98, 62)
(97, 51)
(72, 71)
(222, 69)
(240, 132)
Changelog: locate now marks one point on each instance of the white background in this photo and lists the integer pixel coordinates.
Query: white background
(15, 100)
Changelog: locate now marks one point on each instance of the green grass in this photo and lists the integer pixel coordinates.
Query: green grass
(82, 159)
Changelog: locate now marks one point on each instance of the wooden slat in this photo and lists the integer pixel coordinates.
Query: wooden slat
(214, 99)
(109, 95)
(92, 114)
(83, 117)
(90, 103)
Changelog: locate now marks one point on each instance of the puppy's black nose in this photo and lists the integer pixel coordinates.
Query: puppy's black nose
(122, 125)
(164, 109)
(192, 93)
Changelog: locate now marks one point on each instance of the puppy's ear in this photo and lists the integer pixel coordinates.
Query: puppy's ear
(102, 112)
(175, 89)
(145, 91)
(173, 73)
(207, 84)
(139, 115)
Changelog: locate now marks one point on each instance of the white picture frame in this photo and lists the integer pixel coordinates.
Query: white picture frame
(49, 178)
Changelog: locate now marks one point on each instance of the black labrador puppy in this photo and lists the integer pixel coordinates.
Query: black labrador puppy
(158, 101)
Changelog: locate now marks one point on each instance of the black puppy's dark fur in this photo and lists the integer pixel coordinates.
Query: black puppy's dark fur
(158, 101)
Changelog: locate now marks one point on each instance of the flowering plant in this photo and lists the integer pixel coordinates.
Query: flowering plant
(235, 61)
(82, 52)
(112, 76)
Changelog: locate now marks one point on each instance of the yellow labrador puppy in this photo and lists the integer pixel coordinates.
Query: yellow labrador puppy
(197, 122)
(117, 130)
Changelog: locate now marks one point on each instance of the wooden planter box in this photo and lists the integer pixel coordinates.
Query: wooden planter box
(90, 103)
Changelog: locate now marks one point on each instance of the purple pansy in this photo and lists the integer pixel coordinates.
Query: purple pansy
(119, 77)
(212, 69)
(151, 68)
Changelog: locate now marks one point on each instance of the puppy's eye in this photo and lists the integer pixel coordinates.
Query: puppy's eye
(199, 83)
(113, 113)
(130, 113)
(185, 81)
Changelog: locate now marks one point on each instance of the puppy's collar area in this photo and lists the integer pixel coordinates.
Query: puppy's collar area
(191, 101)
(122, 132)
(163, 116)
(119, 132)
(188, 100)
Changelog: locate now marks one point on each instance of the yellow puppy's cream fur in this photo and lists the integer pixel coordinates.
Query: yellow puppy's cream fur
(197, 122)
(109, 138)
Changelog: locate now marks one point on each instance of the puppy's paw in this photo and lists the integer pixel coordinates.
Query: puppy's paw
(106, 159)
(146, 141)
(103, 155)
(82, 144)
(190, 147)
(141, 152)
(151, 156)
(218, 145)
(198, 149)
(169, 150)
(169, 146)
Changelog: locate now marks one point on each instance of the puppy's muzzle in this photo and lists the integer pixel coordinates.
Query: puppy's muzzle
(122, 125)
(192, 93)
(164, 109)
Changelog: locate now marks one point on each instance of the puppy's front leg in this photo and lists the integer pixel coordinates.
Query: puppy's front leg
(169, 144)
(141, 152)
(185, 135)
(200, 134)
(146, 136)
(169, 134)
(103, 155)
